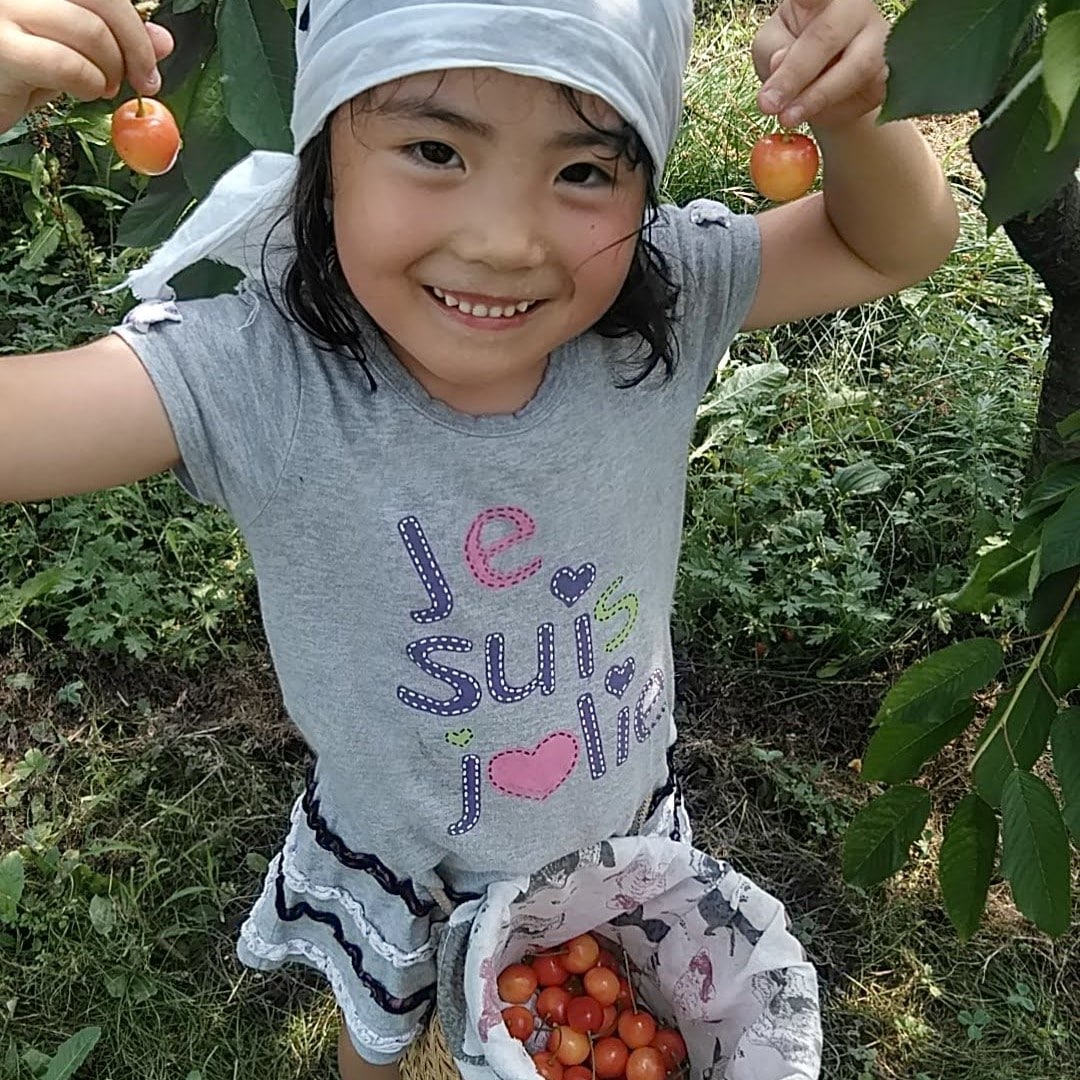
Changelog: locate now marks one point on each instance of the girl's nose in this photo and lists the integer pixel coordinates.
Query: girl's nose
(502, 230)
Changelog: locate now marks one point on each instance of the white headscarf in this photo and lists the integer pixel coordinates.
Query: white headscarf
(630, 53)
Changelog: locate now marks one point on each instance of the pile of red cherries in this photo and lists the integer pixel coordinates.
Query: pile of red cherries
(579, 996)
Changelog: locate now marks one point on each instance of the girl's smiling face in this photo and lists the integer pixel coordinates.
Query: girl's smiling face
(482, 223)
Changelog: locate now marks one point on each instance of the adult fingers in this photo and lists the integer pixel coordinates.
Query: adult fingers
(859, 73)
(811, 52)
(72, 49)
(131, 37)
(160, 40)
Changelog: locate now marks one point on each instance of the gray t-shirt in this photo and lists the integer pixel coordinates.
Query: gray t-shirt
(468, 616)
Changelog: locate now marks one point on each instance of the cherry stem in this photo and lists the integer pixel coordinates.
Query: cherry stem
(140, 108)
(629, 980)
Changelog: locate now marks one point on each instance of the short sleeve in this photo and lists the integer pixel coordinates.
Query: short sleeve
(716, 260)
(227, 372)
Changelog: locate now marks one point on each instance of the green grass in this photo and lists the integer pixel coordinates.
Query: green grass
(147, 767)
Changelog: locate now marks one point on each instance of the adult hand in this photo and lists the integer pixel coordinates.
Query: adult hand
(822, 61)
(84, 48)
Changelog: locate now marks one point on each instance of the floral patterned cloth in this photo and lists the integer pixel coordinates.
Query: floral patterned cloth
(712, 952)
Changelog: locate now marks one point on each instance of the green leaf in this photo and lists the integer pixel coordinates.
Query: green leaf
(1035, 852)
(204, 279)
(976, 594)
(898, 749)
(1063, 661)
(878, 839)
(862, 478)
(259, 67)
(1070, 426)
(1065, 745)
(1059, 480)
(1061, 71)
(966, 863)
(71, 1054)
(102, 915)
(14, 603)
(1014, 736)
(12, 880)
(1049, 598)
(44, 244)
(212, 145)
(1013, 580)
(194, 39)
(935, 685)
(1060, 547)
(950, 57)
(742, 387)
(1022, 177)
(152, 219)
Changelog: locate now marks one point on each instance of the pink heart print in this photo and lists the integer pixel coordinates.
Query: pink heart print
(536, 773)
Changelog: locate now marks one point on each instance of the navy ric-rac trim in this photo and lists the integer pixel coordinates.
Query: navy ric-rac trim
(671, 784)
(383, 998)
(356, 860)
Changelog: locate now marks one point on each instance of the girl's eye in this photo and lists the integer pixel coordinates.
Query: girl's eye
(585, 174)
(431, 152)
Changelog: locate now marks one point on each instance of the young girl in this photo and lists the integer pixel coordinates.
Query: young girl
(450, 410)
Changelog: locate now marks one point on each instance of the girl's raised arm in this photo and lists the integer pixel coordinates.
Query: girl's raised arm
(79, 420)
(886, 217)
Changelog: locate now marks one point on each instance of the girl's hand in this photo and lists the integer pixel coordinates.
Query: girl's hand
(84, 48)
(821, 61)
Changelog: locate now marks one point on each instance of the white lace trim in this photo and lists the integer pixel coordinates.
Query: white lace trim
(298, 882)
(293, 947)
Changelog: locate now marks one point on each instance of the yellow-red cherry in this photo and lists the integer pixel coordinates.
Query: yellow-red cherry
(145, 135)
(516, 984)
(784, 165)
(637, 1029)
(582, 953)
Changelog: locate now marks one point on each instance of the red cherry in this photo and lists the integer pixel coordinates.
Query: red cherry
(519, 1021)
(607, 960)
(671, 1044)
(646, 1063)
(577, 1072)
(551, 1004)
(637, 1029)
(784, 165)
(611, 1021)
(585, 1014)
(548, 1065)
(610, 1057)
(146, 137)
(550, 970)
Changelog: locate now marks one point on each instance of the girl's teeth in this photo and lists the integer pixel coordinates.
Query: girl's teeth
(482, 311)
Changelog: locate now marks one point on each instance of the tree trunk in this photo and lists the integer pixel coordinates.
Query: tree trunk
(1049, 243)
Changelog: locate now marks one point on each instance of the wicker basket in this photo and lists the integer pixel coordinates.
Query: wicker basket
(429, 1057)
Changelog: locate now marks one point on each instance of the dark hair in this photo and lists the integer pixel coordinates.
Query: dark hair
(319, 299)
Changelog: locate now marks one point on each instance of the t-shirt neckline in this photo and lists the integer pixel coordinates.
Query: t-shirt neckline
(389, 371)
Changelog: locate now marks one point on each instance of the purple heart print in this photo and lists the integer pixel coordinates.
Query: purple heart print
(570, 585)
(619, 677)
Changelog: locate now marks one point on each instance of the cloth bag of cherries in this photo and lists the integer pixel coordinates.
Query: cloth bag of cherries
(699, 977)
